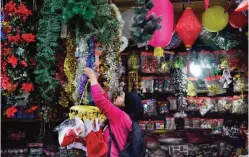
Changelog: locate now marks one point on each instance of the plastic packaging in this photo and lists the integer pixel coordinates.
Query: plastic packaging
(170, 123)
(240, 84)
(196, 123)
(214, 85)
(194, 104)
(147, 84)
(69, 131)
(173, 104)
(208, 104)
(159, 125)
(149, 62)
(163, 107)
(192, 86)
(133, 62)
(159, 84)
(188, 123)
(239, 106)
(164, 64)
(149, 107)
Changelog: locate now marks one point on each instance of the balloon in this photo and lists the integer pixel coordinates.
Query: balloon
(188, 27)
(215, 19)
(243, 6)
(175, 42)
(238, 19)
(127, 16)
(162, 37)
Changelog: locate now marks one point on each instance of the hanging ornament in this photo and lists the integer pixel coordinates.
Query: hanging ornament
(175, 42)
(212, 22)
(162, 37)
(188, 31)
(238, 19)
(206, 3)
(133, 81)
(243, 6)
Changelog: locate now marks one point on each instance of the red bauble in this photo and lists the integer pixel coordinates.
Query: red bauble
(238, 19)
(188, 27)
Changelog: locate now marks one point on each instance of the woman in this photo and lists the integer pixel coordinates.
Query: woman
(120, 122)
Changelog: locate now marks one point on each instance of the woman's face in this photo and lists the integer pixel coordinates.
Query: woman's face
(119, 101)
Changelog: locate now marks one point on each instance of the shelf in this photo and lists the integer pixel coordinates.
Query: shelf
(7, 120)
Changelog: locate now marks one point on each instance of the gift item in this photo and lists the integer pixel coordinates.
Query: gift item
(172, 103)
(196, 123)
(159, 125)
(149, 107)
(206, 123)
(163, 107)
(165, 63)
(178, 150)
(240, 83)
(191, 87)
(232, 129)
(214, 85)
(239, 105)
(206, 107)
(194, 104)
(150, 125)
(133, 81)
(143, 124)
(188, 123)
(147, 84)
(170, 123)
(159, 84)
(223, 104)
(133, 62)
(168, 86)
(149, 63)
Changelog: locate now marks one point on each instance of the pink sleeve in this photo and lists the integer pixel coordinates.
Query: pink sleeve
(104, 104)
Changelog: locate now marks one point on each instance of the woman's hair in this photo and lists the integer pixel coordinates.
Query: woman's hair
(133, 105)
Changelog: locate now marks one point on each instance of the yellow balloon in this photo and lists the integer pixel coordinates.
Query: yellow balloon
(215, 19)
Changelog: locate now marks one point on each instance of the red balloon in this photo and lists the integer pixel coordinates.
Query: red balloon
(243, 6)
(188, 27)
(238, 19)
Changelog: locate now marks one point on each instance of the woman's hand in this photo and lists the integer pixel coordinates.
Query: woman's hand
(90, 73)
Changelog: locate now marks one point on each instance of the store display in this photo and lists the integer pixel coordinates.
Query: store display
(149, 107)
(147, 84)
(194, 101)
(149, 63)
(214, 85)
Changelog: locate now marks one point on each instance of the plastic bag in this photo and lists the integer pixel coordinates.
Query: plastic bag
(147, 85)
(170, 123)
(214, 85)
(223, 104)
(196, 123)
(239, 106)
(208, 104)
(69, 131)
(163, 107)
(168, 86)
(133, 62)
(164, 64)
(172, 102)
(149, 107)
(192, 86)
(159, 125)
(188, 123)
(240, 84)
(194, 104)
(159, 84)
(149, 62)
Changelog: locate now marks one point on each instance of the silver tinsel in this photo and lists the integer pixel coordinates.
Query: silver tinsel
(82, 51)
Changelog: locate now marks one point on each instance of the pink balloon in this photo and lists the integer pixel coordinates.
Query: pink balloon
(163, 9)
(206, 3)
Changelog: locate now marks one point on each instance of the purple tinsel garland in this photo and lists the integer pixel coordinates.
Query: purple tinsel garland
(89, 63)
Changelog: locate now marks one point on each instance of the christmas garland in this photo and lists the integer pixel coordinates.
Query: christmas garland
(48, 35)
(17, 64)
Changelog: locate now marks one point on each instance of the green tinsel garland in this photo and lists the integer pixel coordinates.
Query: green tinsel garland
(47, 36)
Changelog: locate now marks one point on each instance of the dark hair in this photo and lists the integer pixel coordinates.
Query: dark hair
(133, 105)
